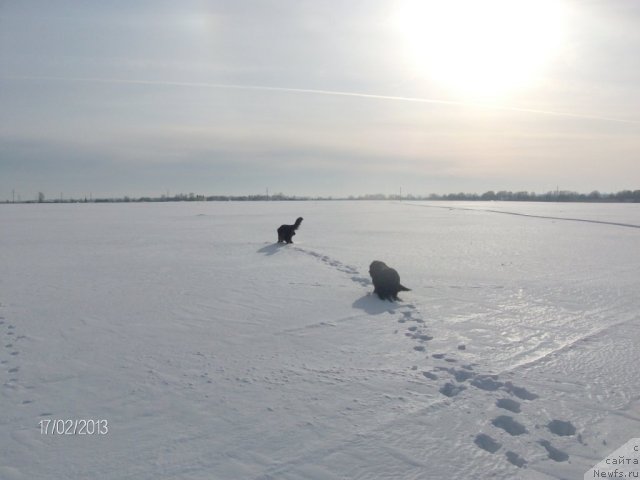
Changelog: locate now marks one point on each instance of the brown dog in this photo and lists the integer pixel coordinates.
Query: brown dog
(386, 281)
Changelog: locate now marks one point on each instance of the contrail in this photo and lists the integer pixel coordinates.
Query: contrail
(324, 92)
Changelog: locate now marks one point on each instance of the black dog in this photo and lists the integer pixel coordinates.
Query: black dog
(285, 232)
(386, 281)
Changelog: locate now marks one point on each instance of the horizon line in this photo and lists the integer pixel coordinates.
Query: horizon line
(532, 195)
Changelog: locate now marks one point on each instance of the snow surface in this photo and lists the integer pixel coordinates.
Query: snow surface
(214, 353)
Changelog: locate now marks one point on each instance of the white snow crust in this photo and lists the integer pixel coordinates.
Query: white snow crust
(214, 353)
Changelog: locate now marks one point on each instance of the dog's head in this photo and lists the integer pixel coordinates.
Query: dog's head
(377, 266)
(299, 221)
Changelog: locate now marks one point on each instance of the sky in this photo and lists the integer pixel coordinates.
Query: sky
(330, 98)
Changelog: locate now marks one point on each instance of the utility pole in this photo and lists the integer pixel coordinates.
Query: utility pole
(13, 196)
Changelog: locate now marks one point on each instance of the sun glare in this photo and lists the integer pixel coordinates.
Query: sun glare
(481, 49)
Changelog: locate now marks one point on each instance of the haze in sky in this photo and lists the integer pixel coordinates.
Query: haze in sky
(318, 98)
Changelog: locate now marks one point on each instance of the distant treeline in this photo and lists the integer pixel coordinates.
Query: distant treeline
(557, 196)
(624, 196)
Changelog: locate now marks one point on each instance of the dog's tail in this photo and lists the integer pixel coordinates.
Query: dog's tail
(402, 288)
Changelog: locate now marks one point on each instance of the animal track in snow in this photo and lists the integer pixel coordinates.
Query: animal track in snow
(487, 385)
(553, 452)
(451, 390)
(487, 443)
(438, 355)
(459, 375)
(509, 425)
(422, 337)
(492, 384)
(410, 314)
(13, 382)
(508, 404)
(515, 459)
(519, 392)
(337, 264)
(487, 382)
(417, 334)
(361, 280)
(561, 428)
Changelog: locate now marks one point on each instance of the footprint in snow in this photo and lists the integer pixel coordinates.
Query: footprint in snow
(515, 459)
(561, 428)
(422, 337)
(508, 404)
(361, 280)
(488, 383)
(487, 443)
(451, 390)
(459, 375)
(419, 335)
(519, 392)
(332, 262)
(12, 383)
(509, 425)
(492, 383)
(553, 452)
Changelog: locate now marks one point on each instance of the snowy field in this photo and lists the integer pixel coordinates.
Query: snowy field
(213, 353)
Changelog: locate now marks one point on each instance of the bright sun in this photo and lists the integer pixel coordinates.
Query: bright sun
(481, 48)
